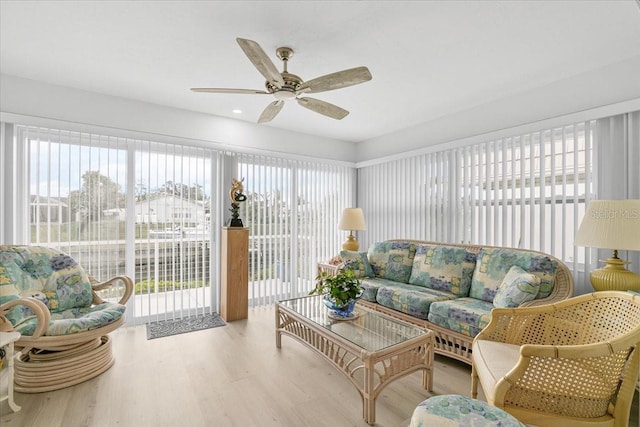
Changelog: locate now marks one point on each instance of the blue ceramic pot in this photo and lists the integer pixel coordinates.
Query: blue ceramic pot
(345, 310)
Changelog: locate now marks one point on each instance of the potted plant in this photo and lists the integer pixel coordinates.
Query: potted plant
(341, 291)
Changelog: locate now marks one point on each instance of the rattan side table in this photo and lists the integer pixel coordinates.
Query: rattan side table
(6, 374)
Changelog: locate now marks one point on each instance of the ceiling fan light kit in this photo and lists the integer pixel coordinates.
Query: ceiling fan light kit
(285, 86)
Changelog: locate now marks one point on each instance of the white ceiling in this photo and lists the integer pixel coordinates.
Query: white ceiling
(429, 59)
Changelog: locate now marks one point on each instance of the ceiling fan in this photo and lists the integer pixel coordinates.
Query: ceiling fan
(286, 86)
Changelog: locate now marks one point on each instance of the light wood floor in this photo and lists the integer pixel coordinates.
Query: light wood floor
(227, 376)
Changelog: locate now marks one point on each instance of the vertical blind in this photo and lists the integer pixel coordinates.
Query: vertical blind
(292, 210)
(525, 191)
(153, 211)
(176, 251)
(79, 188)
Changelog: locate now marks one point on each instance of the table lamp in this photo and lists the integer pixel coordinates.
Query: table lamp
(612, 224)
(352, 219)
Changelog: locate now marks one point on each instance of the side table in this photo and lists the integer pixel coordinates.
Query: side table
(6, 374)
(329, 268)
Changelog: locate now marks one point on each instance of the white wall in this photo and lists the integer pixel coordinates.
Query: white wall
(605, 86)
(613, 84)
(39, 100)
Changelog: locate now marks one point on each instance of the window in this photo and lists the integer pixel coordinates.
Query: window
(524, 191)
(153, 211)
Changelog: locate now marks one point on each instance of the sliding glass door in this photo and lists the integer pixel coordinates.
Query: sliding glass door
(127, 206)
(154, 211)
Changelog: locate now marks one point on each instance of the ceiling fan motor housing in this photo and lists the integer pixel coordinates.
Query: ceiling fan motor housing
(288, 90)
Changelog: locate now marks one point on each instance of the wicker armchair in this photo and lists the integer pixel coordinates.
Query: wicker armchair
(572, 363)
(54, 304)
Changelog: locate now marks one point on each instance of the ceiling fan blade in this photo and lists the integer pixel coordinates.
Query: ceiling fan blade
(271, 111)
(225, 90)
(261, 61)
(323, 108)
(337, 80)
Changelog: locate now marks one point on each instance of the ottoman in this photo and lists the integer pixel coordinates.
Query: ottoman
(452, 410)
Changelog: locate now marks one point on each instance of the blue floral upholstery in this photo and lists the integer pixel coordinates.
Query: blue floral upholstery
(444, 268)
(371, 286)
(357, 262)
(517, 287)
(60, 283)
(455, 411)
(411, 299)
(493, 264)
(467, 316)
(392, 260)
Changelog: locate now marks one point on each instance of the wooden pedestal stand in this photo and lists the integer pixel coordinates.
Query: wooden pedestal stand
(234, 289)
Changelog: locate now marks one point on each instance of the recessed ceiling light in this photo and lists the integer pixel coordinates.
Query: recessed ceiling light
(236, 111)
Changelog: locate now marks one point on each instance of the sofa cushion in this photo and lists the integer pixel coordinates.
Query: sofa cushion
(357, 262)
(445, 268)
(371, 286)
(517, 287)
(493, 264)
(392, 260)
(467, 316)
(411, 299)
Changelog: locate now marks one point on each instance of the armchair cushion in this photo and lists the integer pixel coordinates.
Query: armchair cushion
(60, 283)
(43, 273)
(517, 287)
(492, 361)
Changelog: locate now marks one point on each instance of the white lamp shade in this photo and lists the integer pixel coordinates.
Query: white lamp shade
(352, 219)
(610, 224)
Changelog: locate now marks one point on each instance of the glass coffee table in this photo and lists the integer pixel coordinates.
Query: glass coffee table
(371, 350)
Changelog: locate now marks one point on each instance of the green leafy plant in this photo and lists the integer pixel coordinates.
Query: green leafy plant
(342, 287)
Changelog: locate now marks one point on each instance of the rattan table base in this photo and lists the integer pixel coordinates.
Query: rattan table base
(369, 371)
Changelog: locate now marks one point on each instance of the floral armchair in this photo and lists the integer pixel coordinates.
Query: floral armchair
(52, 301)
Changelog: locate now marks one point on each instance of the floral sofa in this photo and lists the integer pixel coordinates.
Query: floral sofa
(452, 288)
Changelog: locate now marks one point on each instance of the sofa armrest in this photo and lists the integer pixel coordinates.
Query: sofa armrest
(331, 269)
(562, 288)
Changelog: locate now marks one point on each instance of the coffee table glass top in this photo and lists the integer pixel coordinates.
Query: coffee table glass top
(370, 330)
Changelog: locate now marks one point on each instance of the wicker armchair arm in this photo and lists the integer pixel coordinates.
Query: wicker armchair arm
(509, 325)
(128, 288)
(39, 309)
(575, 352)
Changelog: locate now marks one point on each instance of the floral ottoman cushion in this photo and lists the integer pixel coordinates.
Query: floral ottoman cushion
(453, 410)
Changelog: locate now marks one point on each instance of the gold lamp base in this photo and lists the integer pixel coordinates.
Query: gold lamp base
(351, 244)
(615, 277)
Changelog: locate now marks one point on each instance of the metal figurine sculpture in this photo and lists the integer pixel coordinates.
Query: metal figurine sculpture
(236, 194)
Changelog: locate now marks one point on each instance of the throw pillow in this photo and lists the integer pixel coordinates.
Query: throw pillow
(358, 262)
(518, 286)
